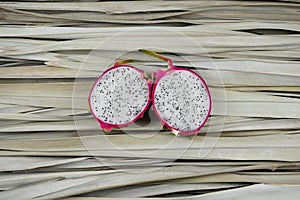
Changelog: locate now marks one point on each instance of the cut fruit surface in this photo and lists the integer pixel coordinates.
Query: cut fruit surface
(181, 100)
(120, 96)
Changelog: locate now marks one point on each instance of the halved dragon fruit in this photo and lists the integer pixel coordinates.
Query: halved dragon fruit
(120, 96)
(181, 99)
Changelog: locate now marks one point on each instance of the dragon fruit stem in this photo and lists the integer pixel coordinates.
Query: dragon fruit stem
(156, 55)
(123, 62)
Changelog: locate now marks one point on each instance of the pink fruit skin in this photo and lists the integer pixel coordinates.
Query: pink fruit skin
(107, 127)
(162, 73)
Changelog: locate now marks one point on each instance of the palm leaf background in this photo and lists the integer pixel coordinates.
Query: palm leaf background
(247, 51)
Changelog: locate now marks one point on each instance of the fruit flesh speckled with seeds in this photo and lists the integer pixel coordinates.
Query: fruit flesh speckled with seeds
(181, 100)
(119, 97)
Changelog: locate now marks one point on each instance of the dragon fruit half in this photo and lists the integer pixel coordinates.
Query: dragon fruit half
(120, 96)
(181, 99)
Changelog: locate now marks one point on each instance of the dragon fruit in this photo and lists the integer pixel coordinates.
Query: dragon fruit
(120, 96)
(181, 99)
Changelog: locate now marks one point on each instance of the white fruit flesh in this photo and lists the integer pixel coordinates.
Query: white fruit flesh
(119, 96)
(182, 100)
